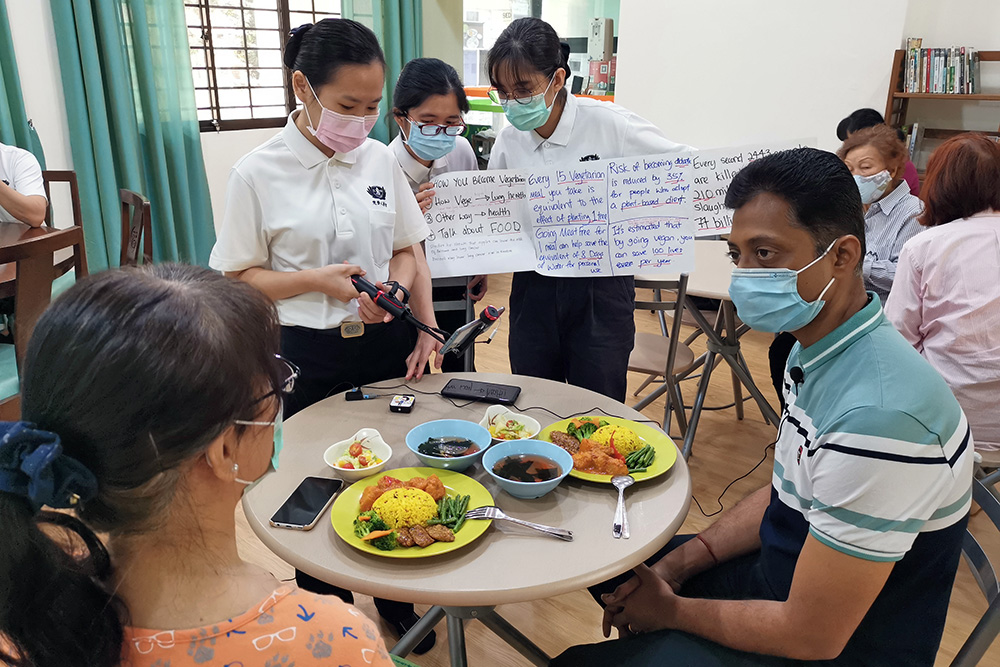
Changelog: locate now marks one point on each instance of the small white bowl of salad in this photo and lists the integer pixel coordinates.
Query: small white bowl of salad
(504, 424)
(362, 455)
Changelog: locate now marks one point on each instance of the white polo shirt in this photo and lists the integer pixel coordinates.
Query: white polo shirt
(289, 207)
(462, 158)
(588, 129)
(20, 170)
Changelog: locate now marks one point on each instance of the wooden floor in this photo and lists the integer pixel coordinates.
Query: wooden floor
(725, 449)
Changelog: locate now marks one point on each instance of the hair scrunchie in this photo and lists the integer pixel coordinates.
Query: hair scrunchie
(295, 32)
(32, 465)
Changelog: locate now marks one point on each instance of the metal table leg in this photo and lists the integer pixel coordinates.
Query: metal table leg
(456, 641)
(416, 634)
(507, 632)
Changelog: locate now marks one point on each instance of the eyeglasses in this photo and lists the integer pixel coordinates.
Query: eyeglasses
(431, 130)
(163, 639)
(519, 95)
(264, 642)
(288, 385)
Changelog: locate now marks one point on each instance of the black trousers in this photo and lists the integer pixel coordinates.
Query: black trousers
(575, 330)
(450, 320)
(738, 579)
(331, 364)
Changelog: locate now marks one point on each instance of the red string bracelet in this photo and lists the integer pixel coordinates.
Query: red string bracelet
(715, 561)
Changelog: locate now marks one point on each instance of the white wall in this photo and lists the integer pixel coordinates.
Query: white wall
(731, 72)
(222, 150)
(726, 73)
(442, 21)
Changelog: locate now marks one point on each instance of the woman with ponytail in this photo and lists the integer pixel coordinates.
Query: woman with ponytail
(149, 406)
(558, 326)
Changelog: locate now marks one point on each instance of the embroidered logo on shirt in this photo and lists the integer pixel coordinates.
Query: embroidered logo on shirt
(377, 193)
(590, 158)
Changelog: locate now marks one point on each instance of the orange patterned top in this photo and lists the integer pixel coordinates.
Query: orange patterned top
(290, 627)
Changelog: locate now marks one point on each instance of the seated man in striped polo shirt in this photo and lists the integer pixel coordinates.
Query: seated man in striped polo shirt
(848, 557)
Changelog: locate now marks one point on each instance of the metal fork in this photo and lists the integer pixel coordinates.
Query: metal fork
(493, 512)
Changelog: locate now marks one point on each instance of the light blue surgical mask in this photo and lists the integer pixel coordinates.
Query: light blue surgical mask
(279, 441)
(769, 299)
(531, 114)
(428, 147)
(874, 186)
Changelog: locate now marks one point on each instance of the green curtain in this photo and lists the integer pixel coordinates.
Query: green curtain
(399, 26)
(15, 128)
(126, 73)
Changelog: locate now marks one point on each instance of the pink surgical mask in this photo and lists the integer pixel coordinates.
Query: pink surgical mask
(340, 132)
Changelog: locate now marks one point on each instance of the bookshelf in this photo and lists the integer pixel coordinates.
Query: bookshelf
(897, 103)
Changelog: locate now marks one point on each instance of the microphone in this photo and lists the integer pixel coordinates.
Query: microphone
(798, 377)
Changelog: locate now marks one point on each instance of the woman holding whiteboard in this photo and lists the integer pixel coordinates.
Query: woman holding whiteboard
(576, 330)
(316, 204)
(429, 102)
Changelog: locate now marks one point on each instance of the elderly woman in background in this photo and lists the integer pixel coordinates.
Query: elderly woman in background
(946, 298)
(877, 158)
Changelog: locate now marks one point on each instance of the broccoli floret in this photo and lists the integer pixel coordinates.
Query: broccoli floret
(374, 522)
(387, 543)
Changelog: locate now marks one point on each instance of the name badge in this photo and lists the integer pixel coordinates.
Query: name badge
(352, 329)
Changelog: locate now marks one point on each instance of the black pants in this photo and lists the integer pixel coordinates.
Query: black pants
(450, 320)
(738, 579)
(575, 330)
(332, 364)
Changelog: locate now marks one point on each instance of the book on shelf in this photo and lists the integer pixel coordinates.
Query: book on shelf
(943, 71)
(914, 140)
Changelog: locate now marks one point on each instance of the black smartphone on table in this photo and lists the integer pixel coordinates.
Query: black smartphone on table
(308, 502)
(487, 392)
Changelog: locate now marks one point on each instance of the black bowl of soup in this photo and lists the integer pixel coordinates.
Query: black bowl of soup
(527, 468)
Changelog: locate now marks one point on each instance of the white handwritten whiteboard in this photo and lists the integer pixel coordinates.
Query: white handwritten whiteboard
(600, 218)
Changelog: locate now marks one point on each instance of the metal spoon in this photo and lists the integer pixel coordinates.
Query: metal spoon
(620, 527)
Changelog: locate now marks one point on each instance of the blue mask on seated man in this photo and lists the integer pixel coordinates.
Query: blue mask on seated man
(769, 300)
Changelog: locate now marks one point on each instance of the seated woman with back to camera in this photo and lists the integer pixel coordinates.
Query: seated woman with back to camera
(148, 408)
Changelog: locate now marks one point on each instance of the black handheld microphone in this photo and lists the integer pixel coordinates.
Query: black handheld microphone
(798, 377)
(458, 342)
(384, 300)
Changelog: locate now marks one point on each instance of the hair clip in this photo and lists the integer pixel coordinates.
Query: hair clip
(301, 29)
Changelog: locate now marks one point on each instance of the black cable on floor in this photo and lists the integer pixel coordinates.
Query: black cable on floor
(744, 476)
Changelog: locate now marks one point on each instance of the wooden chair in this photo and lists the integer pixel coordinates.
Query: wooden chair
(65, 278)
(137, 225)
(986, 630)
(34, 258)
(664, 355)
(64, 176)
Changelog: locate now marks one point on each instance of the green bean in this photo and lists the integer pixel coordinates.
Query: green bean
(458, 524)
(633, 470)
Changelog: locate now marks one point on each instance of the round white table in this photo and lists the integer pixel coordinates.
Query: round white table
(507, 564)
(710, 280)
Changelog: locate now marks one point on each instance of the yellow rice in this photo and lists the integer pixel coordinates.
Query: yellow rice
(406, 507)
(626, 441)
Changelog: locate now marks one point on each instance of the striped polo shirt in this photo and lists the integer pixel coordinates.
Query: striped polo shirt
(889, 223)
(873, 459)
